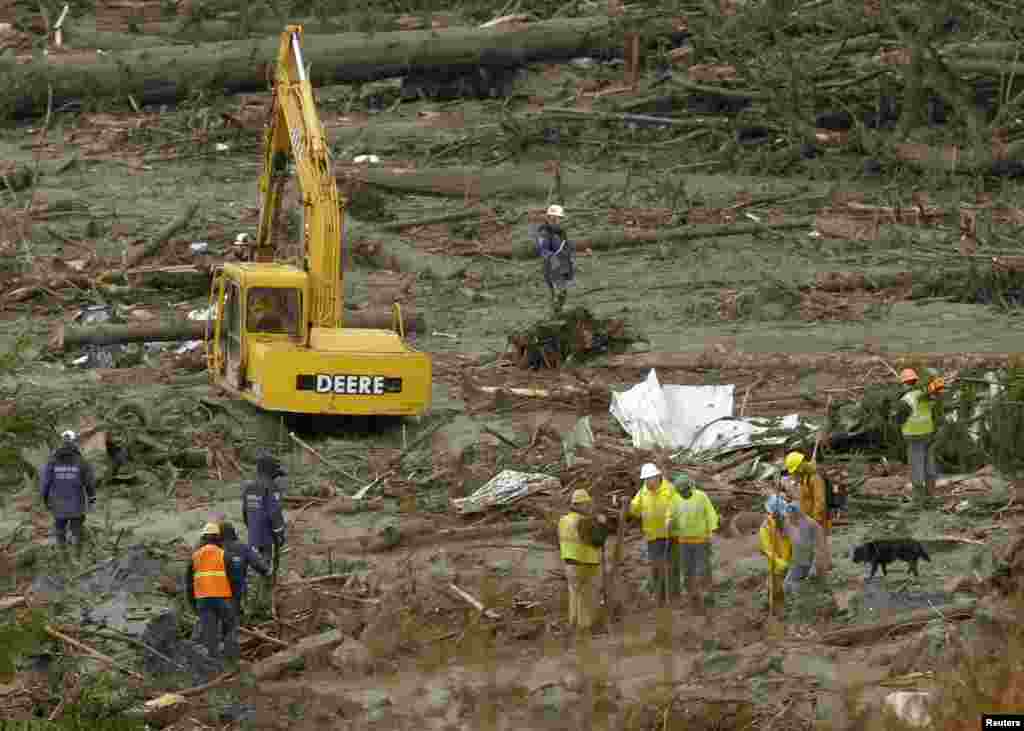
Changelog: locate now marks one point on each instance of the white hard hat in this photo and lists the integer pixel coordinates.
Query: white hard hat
(556, 210)
(242, 239)
(68, 436)
(649, 470)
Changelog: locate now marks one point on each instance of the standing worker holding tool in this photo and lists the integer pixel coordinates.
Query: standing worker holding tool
(581, 539)
(919, 430)
(211, 595)
(68, 488)
(652, 505)
(776, 546)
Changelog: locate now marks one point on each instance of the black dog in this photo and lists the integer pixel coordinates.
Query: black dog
(880, 553)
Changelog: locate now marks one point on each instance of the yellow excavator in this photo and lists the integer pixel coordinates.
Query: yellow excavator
(276, 336)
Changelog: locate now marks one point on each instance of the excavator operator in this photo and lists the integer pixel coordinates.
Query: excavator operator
(273, 310)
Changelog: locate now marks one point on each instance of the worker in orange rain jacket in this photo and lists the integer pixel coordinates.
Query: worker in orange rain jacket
(210, 594)
(813, 504)
(776, 545)
(652, 505)
(580, 538)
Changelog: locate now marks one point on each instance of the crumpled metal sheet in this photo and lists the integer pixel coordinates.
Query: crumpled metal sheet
(505, 488)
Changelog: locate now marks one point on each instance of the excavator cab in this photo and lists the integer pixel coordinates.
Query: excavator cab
(246, 309)
(276, 336)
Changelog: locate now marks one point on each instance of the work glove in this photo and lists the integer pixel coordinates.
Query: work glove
(602, 519)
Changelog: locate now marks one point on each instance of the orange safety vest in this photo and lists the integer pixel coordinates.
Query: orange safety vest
(209, 577)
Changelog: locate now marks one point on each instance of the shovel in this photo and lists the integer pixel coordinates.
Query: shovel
(773, 627)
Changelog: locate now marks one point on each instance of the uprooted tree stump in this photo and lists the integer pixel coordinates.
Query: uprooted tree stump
(576, 334)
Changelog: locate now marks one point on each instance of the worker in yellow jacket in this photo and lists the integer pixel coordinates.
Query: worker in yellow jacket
(652, 505)
(916, 408)
(813, 504)
(776, 545)
(691, 521)
(580, 539)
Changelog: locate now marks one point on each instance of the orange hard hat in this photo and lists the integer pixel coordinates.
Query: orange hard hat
(908, 375)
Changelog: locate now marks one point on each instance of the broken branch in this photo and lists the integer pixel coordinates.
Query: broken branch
(913, 620)
(329, 463)
(474, 602)
(91, 651)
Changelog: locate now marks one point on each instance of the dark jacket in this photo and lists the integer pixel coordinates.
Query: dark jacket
(559, 255)
(238, 557)
(67, 482)
(549, 239)
(593, 532)
(261, 510)
(190, 589)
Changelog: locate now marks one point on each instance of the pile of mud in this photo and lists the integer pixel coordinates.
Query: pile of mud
(573, 336)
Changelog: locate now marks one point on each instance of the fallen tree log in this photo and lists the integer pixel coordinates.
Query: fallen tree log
(528, 181)
(913, 620)
(64, 337)
(186, 31)
(166, 75)
(149, 249)
(12, 602)
(833, 362)
(421, 536)
(469, 183)
(623, 239)
(305, 649)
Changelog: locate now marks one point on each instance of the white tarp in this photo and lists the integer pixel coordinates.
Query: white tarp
(695, 418)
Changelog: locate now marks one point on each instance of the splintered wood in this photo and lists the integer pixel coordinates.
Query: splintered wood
(122, 16)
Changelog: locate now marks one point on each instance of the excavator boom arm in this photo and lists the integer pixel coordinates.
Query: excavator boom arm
(294, 131)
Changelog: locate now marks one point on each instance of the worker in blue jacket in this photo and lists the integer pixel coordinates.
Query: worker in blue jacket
(239, 557)
(68, 488)
(558, 254)
(261, 508)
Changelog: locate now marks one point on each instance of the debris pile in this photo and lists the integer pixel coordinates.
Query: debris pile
(575, 336)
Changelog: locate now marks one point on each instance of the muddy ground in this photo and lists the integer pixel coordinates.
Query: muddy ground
(111, 178)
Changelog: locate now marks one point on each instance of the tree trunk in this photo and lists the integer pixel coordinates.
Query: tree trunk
(65, 338)
(212, 31)
(913, 620)
(466, 182)
(151, 248)
(829, 362)
(609, 240)
(163, 75)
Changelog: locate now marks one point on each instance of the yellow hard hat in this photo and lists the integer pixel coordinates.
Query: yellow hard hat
(211, 529)
(793, 461)
(580, 496)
